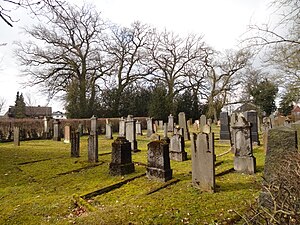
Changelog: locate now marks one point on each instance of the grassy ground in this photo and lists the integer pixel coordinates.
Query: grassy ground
(40, 184)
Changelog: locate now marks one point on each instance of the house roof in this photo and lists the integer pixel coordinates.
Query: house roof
(32, 111)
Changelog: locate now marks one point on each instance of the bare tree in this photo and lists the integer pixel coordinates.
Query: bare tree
(2, 104)
(173, 59)
(66, 56)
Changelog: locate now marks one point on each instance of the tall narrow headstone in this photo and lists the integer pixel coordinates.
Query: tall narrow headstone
(203, 121)
(161, 124)
(251, 117)
(108, 131)
(121, 160)
(177, 145)
(46, 128)
(224, 126)
(131, 133)
(17, 136)
(244, 161)
(56, 130)
(122, 128)
(165, 137)
(67, 133)
(93, 141)
(138, 127)
(80, 129)
(75, 142)
(158, 167)
(182, 123)
(93, 125)
(170, 123)
(150, 130)
(203, 161)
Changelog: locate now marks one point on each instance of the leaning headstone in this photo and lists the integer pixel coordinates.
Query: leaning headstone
(224, 126)
(56, 130)
(122, 127)
(150, 130)
(67, 133)
(251, 117)
(244, 161)
(177, 145)
(280, 142)
(75, 142)
(17, 136)
(182, 123)
(138, 127)
(158, 167)
(203, 121)
(130, 133)
(203, 161)
(108, 131)
(121, 159)
(170, 123)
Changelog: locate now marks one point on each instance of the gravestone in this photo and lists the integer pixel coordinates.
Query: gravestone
(251, 117)
(165, 137)
(209, 121)
(170, 123)
(158, 167)
(203, 161)
(67, 133)
(75, 142)
(206, 129)
(46, 132)
(93, 125)
(56, 130)
(93, 141)
(160, 124)
(80, 129)
(182, 124)
(203, 121)
(17, 136)
(121, 160)
(224, 126)
(138, 127)
(122, 127)
(281, 141)
(244, 161)
(177, 145)
(130, 133)
(108, 131)
(150, 130)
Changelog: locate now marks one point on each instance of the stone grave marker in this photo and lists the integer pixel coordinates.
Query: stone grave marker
(108, 131)
(154, 137)
(158, 167)
(251, 117)
(17, 136)
(150, 130)
(177, 145)
(75, 142)
(56, 130)
(160, 124)
(203, 121)
(122, 127)
(93, 142)
(206, 129)
(131, 133)
(46, 133)
(93, 125)
(182, 123)
(244, 161)
(203, 161)
(80, 129)
(224, 126)
(165, 137)
(121, 159)
(170, 123)
(67, 133)
(138, 127)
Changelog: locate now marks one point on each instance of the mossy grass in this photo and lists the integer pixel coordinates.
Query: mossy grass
(41, 184)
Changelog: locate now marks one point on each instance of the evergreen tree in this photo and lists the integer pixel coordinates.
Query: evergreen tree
(159, 105)
(20, 106)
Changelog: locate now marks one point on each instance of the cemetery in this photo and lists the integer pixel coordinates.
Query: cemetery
(110, 177)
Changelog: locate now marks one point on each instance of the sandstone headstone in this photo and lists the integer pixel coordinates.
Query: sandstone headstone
(131, 133)
(56, 130)
(46, 133)
(17, 136)
(182, 124)
(138, 127)
(67, 133)
(108, 131)
(158, 167)
(121, 159)
(203, 161)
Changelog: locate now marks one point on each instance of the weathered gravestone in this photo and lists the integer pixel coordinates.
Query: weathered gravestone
(244, 161)
(80, 129)
(150, 130)
(46, 133)
(203, 161)
(158, 167)
(131, 133)
(170, 123)
(281, 141)
(251, 117)
(160, 124)
(165, 137)
(56, 130)
(224, 126)
(75, 142)
(177, 145)
(93, 142)
(121, 160)
(17, 136)
(67, 133)
(122, 127)
(182, 124)
(108, 131)
(138, 127)
(203, 121)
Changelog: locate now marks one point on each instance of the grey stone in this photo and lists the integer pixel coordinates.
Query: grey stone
(160, 124)
(75, 142)
(182, 123)
(93, 148)
(177, 145)
(56, 130)
(203, 121)
(206, 129)
(154, 137)
(93, 125)
(165, 137)
(121, 159)
(108, 131)
(251, 117)
(122, 127)
(203, 161)
(138, 127)
(150, 130)
(131, 133)
(158, 167)
(170, 123)
(17, 136)
(224, 126)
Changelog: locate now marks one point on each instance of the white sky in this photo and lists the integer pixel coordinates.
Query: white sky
(222, 22)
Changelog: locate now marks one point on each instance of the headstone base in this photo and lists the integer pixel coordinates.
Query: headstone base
(178, 156)
(120, 169)
(159, 174)
(246, 164)
(56, 139)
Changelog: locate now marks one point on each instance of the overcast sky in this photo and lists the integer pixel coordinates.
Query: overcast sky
(222, 22)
